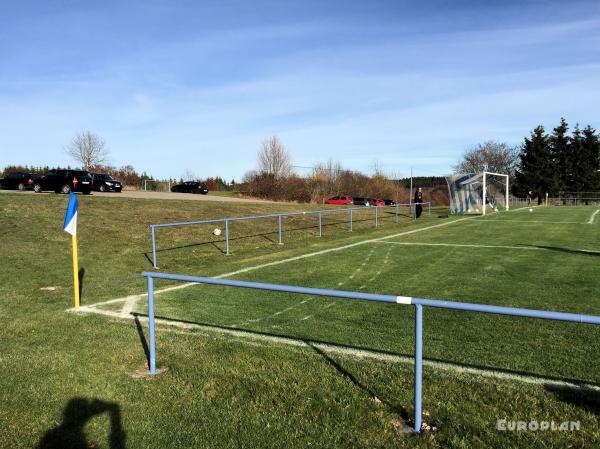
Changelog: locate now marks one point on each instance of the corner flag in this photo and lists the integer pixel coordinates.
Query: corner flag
(70, 226)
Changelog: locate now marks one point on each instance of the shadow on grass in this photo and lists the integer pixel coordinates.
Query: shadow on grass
(400, 411)
(80, 276)
(70, 433)
(569, 250)
(142, 337)
(583, 398)
(578, 384)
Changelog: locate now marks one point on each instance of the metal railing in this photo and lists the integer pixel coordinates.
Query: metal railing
(418, 303)
(319, 213)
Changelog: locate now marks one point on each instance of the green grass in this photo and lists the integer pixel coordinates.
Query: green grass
(225, 390)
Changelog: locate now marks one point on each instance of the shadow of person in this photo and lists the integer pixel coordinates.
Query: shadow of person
(580, 397)
(69, 434)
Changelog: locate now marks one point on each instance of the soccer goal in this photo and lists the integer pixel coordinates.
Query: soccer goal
(151, 185)
(476, 193)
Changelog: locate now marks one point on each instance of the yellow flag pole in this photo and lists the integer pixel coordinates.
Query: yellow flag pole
(75, 271)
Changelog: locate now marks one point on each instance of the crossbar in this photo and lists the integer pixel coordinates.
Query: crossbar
(419, 304)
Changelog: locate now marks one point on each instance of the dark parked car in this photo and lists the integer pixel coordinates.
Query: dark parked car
(340, 200)
(64, 181)
(360, 201)
(190, 187)
(105, 183)
(19, 181)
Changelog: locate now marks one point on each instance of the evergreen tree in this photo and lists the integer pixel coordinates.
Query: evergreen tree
(590, 160)
(560, 155)
(577, 161)
(536, 172)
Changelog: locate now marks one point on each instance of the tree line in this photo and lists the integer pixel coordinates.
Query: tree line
(559, 162)
(275, 178)
(556, 164)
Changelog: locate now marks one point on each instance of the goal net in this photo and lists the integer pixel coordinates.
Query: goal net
(151, 185)
(478, 193)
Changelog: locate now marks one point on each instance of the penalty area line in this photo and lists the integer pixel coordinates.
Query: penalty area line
(531, 248)
(501, 220)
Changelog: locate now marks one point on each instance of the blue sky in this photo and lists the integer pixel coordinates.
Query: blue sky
(176, 86)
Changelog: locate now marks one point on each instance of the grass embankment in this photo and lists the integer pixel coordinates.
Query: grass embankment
(223, 391)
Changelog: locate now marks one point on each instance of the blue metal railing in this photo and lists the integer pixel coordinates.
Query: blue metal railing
(279, 217)
(419, 303)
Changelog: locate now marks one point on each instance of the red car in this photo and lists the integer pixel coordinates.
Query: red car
(340, 200)
(376, 202)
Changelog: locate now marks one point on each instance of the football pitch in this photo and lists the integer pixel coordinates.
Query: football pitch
(248, 368)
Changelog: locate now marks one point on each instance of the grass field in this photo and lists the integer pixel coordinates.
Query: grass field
(256, 369)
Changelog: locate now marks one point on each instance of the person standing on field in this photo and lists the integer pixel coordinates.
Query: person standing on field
(418, 201)
(529, 198)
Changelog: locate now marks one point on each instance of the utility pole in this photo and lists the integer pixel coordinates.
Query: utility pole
(411, 187)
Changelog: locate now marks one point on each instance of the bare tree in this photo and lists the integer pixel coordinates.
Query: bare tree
(497, 157)
(189, 175)
(89, 149)
(274, 160)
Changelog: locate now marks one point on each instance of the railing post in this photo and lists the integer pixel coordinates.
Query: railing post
(376, 216)
(151, 333)
(320, 226)
(429, 208)
(418, 364)
(350, 219)
(396, 213)
(153, 247)
(227, 237)
(279, 229)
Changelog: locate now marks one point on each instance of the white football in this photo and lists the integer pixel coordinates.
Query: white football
(530, 210)
(217, 231)
(495, 209)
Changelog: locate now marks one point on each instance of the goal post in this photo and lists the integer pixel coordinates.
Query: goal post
(486, 175)
(474, 193)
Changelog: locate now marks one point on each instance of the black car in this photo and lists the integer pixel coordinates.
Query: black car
(389, 202)
(190, 187)
(360, 201)
(64, 181)
(105, 183)
(19, 181)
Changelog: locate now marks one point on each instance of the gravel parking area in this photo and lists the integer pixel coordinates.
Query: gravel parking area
(160, 196)
(179, 196)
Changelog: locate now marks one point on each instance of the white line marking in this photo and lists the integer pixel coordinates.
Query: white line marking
(527, 221)
(591, 220)
(129, 305)
(532, 248)
(249, 337)
(465, 246)
(375, 276)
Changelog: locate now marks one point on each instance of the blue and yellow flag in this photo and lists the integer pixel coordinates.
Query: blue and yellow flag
(70, 224)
